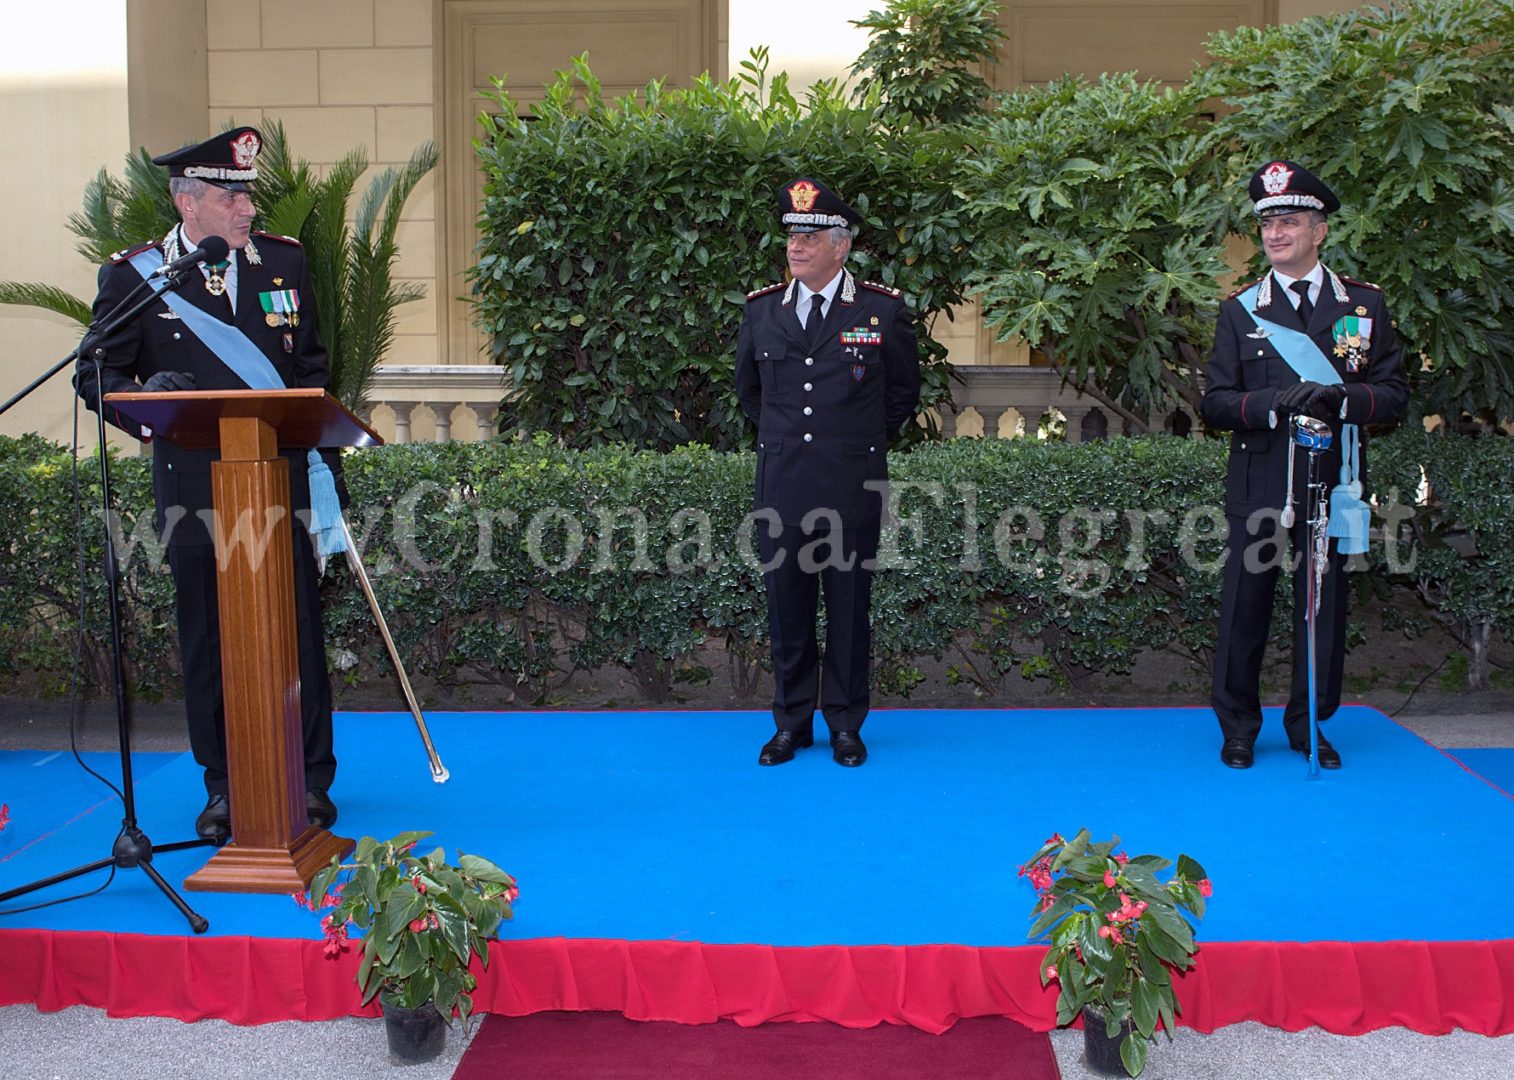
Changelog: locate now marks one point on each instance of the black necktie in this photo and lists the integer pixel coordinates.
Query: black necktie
(1305, 308)
(812, 320)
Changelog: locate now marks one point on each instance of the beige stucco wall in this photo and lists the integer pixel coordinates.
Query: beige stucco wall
(339, 75)
(62, 115)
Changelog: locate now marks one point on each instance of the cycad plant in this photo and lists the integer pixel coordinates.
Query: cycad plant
(351, 266)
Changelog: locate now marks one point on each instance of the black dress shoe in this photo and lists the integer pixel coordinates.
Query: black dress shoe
(847, 748)
(214, 822)
(1329, 756)
(1237, 753)
(781, 747)
(320, 808)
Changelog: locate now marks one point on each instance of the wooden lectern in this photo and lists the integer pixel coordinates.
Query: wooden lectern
(273, 849)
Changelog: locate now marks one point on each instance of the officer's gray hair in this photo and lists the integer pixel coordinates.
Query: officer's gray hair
(192, 186)
(838, 232)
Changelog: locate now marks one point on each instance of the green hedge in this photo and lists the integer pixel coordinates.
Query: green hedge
(514, 563)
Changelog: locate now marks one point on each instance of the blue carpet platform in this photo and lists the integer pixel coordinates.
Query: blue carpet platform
(665, 875)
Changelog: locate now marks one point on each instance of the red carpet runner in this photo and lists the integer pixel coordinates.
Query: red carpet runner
(607, 1046)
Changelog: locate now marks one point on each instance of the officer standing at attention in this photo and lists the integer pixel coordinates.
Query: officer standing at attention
(827, 368)
(262, 292)
(1301, 341)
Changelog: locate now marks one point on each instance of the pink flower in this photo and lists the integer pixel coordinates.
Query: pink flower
(1112, 933)
(1039, 873)
(512, 893)
(1121, 858)
(1205, 889)
(417, 925)
(336, 937)
(1051, 971)
(333, 896)
(1109, 880)
(302, 899)
(1055, 838)
(5, 815)
(418, 884)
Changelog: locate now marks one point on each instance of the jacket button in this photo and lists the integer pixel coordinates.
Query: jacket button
(176, 335)
(809, 361)
(808, 437)
(808, 410)
(808, 387)
(872, 449)
(762, 446)
(1261, 352)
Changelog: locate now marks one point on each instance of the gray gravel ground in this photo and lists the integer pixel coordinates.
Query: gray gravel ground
(85, 1044)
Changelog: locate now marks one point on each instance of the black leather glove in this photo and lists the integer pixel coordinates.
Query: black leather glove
(1295, 398)
(1325, 402)
(333, 459)
(169, 380)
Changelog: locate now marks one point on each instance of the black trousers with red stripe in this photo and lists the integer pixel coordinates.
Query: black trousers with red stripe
(801, 564)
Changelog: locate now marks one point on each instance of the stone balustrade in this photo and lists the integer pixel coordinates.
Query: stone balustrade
(443, 402)
(434, 402)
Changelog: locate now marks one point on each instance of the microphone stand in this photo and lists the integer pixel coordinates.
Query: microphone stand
(132, 848)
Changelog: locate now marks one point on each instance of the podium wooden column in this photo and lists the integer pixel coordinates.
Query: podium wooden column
(273, 849)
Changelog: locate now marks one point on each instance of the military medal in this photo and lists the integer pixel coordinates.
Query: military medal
(1353, 340)
(215, 282)
(280, 307)
(861, 335)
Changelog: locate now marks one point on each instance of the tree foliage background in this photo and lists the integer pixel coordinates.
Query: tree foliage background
(621, 236)
(1406, 112)
(1090, 217)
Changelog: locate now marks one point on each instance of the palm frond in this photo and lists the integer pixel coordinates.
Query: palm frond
(288, 215)
(279, 176)
(49, 297)
(421, 162)
(95, 222)
(120, 213)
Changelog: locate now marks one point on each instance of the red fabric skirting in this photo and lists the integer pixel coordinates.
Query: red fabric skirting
(1431, 987)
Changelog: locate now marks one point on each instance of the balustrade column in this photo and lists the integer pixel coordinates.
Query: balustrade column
(1075, 414)
(484, 416)
(402, 411)
(991, 415)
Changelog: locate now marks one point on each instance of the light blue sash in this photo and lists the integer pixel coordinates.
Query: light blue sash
(1350, 517)
(247, 362)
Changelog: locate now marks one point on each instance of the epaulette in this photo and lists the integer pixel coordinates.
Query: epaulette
(1363, 284)
(886, 290)
(126, 253)
(276, 236)
(1244, 287)
(764, 291)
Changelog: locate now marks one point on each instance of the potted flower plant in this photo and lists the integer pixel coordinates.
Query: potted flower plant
(1117, 935)
(423, 921)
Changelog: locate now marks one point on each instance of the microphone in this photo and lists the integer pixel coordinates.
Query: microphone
(211, 249)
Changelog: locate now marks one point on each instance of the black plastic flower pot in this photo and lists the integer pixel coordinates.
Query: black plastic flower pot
(1101, 1053)
(415, 1035)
